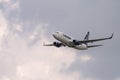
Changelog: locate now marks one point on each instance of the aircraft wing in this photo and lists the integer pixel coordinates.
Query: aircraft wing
(48, 44)
(93, 46)
(56, 44)
(94, 40)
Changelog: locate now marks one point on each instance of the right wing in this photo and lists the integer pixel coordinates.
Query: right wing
(94, 40)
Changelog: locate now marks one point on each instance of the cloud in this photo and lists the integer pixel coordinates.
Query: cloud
(36, 61)
(4, 78)
(21, 61)
(10, 4)
(3, 27)
(18, 27)
(3, 24)
(43, 71)
(85, 58)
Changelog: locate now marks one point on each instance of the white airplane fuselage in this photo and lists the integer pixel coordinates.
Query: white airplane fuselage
(66, 40)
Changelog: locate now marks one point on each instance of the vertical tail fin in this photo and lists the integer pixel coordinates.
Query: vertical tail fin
(87, 36)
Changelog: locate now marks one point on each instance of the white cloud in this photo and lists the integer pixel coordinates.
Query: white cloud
(6, 1)
(4, 78)
(38, 59)
(42, 71)
(34, 62)
(3, 27)
(9, 4)
(15, 5)
(85, 58)
(40, 29)
(39, 62)
(17, 27)
(3, 24)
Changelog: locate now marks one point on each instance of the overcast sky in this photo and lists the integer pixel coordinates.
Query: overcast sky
(26, 24)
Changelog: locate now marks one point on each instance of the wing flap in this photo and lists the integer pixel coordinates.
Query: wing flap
(93, 46)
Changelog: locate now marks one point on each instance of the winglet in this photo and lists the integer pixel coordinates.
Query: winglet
(112, 36)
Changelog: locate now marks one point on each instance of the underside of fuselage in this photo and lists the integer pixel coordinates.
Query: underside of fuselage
(69, 43)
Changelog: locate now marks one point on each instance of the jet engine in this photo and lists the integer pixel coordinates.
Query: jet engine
(57, 44)
(76, 42)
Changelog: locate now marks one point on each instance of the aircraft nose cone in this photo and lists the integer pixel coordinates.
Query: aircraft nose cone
(53, 34)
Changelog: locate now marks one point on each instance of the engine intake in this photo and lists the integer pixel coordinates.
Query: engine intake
(76, 42)
(57, 44)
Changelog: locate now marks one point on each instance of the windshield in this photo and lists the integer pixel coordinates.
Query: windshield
(66, 36)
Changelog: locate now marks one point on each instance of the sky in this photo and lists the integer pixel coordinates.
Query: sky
(26, 24)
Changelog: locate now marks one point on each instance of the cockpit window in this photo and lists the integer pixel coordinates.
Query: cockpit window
(66, 36)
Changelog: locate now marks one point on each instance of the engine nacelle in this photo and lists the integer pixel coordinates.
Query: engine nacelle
(76, 42)
(81, 47)
(57, 44)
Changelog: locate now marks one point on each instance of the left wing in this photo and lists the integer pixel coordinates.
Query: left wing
(94, 40)
(56, 44)
(47, 44)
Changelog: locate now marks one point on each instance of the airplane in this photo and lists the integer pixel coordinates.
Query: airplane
(65, 40)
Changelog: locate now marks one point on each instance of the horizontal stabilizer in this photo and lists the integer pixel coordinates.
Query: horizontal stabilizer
(93, 46)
